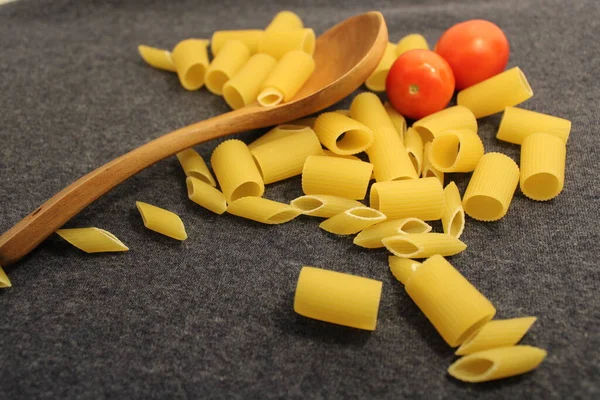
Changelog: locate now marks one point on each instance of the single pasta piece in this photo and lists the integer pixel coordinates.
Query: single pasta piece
(263, 210)
(451, 118)
(450, 302)
(92, 240)
(4, 281)
(411, 42)
(498, 333)
(423, 245)
(414, 148)
(323, 205)
(543, 158)
(429, 171)
(376, 82)
(491, 188)
(285, 21)
(397, 119)
(206, 195)
(193, 165)
(343, 135)
(418, 198)
(162, 221)
(336, 176)
(402, 268)
(453, 219)
(226, 64)
(456, 151)
(279, 43)
(190, 58)
(345, 113)
(352, 220)
(518, 123)
(370, 238)
(283, 158)
(493, 95)
(236, 171)
(338, 298)
(308, 121)
(330, 153)
(497, 363)
(387, 153)
(277, 133)
(249, 37)
(286, 79)
(157, 58)
(243, 88)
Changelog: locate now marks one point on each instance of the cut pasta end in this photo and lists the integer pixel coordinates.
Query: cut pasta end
(425, 133)
(246, 189)
(307, 204)
(457, 223)
(473, 329)
(308, 45)
(484, 208)
(414, 225)
(402, 268)
(401, 246)
(444, 151)
(233, 97)
(215, 80)
(365, 213)
(193, 78)
(541, 187)
(376, 82)
(4, 281)
(415, 162)
(524, 82)
(270, 97)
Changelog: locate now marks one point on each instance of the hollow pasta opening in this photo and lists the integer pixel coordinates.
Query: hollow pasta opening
(474, 329)
(374, 198)
(425, 133)
(457, 223)
(377, 80)
(215, 81)
(354, 141)
(270, 97)
(307, 204)
(201, 177)
(283, 216)
(402, 247)
(246, 189)
(472, 369)
(484, 208)
(365, 213)
(233, 97)
(193, 78)
(542, 186)
(308, 44)
(415, 226)
(444, 150)
(190, 187)
(525, 83)
(414, 161)
(141, 210)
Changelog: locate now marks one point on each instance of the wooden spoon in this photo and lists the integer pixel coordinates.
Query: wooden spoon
(345, 56)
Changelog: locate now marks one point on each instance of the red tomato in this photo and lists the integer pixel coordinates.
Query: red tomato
(476, 50)
(419, 83)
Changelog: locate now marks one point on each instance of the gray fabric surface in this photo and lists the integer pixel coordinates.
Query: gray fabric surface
(212, 317)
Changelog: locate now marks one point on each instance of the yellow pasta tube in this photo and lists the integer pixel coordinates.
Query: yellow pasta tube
(376, 82)
(243, 88)
(387, 153)
(92, 240)
(193, 165)
(263, 210)
(543, 159)
(498, 333)
(4, 281)
(498, 363)
(411, 42)
(191, 61)
(285, 21)
(309, 121)
(330, 153)
(324, 206)
(338, 298)
(418, 198)
(370, 238)
(283, 158)
(336, 176)
(414, 148)
(352, 220)
(279, 43)
(451, 118)
(226, 64)
(429, 171)
(278, 132)
(423, 245)
(402, 268)
(493, 95)
(157, 58)
(236, 171)
(453, 219)
(206, 195)
(456, 151)
(343, 135)
(397, 119)
(249, 37)
(518, 123)
(491, 188)
(286, 79)
(162, 221)
(450, 302)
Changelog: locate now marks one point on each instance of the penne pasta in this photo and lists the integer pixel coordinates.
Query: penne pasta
(243, 88)
(387, 153)
(450, 302)
(518, 123)
(283, 158)
(352, 220)
(4, 281)
(193, 165)
(498, 333)
(336, 176)
(397, 119)
(249, 37)
(491, 188)
(543, 159)
(285, 21)
(278, 132)
(423, 245)
(370, 238)
(498, 363)
(263, 210)
(324, 206)
(376, 81)
(286, 79)
(226, 64)
(157, 58)
(453, 219)
(429, 171)
(338, 298)
(206, 195)
(190, 58)
(236, 171)
(493, 95)
(278, 43)
(342, 135)
(414, 148)
(92, 240)
(402, 268)
(456, 151)
(162, 221)
(411, 42)
(451, 118)
(418, 198)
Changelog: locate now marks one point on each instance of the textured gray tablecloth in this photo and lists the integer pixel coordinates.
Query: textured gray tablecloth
(212, 317)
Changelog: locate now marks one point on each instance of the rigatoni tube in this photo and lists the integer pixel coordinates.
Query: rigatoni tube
(249, 37)
(543, 158)
(336, 176)
(376, 81)
(343, 135)
(190, 58)
(418, 198)
(243, 88)
(226, 64)
(279, 43)
(518, 123)
(287, 78)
